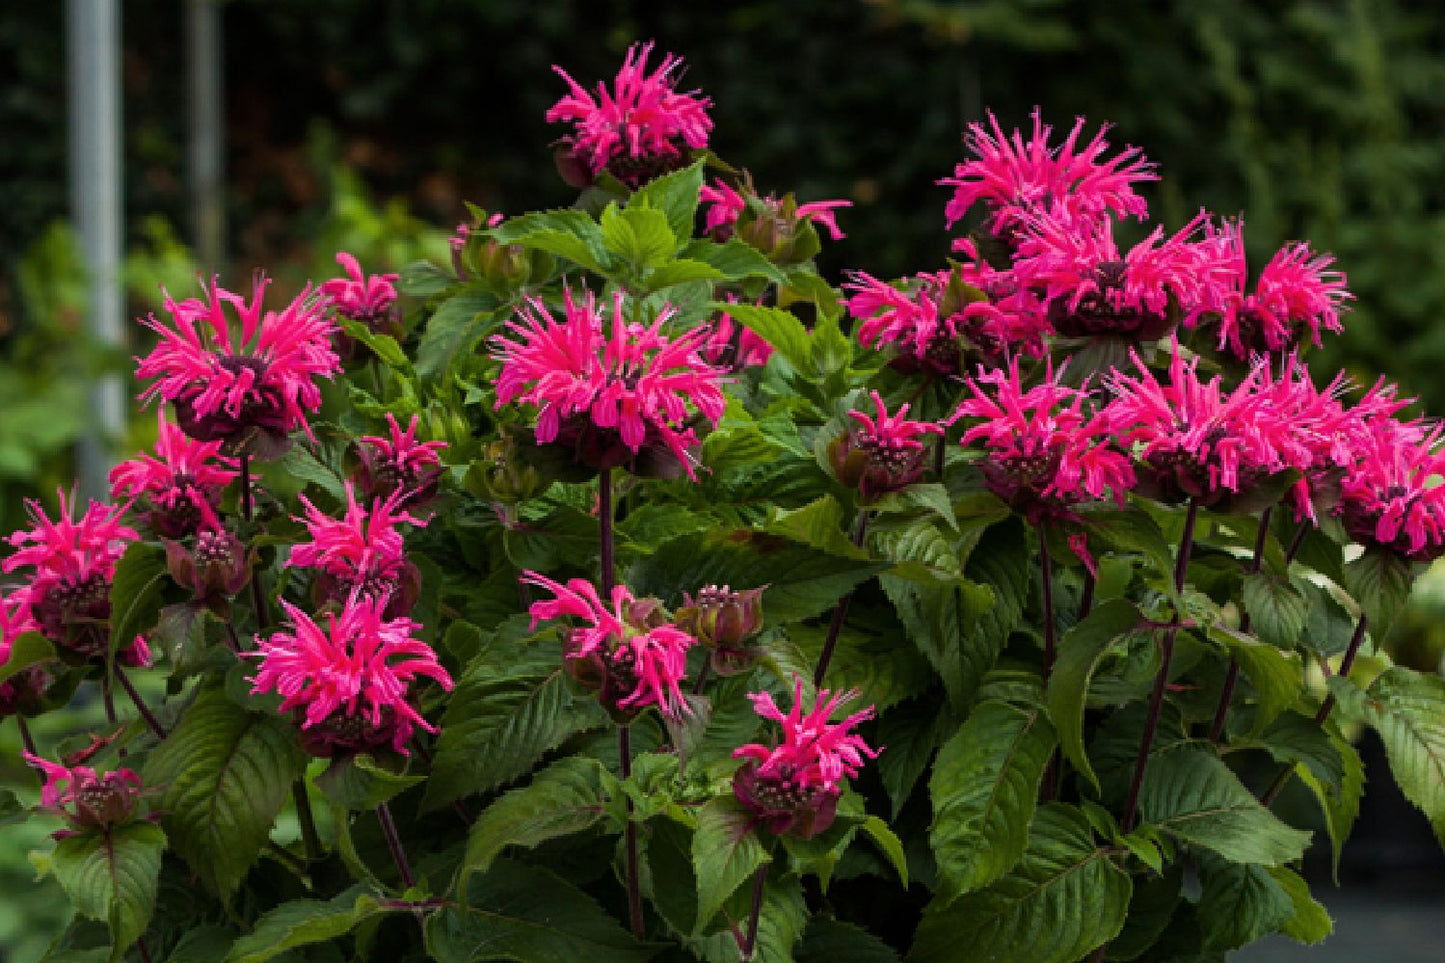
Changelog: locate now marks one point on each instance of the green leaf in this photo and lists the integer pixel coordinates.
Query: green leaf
(833, 941)
(984, 785)
(1063, 899)
(930, 497)
(1191, 794)
(529, 915)
(26, 649)
(638, 234)
(302, 922)
(1379, 580)
(818, 524)
(680, 271)
(1080, 650)
(1407, 709)
(564, 798)
(1151, 908)
(1340, 806)
(1277, 610)
(1296, 738)
(725, 853)
(889, 845)
(510, 707)
(384, 346)
(224, 774)
(135, 593)
(1277, 676)
(1238, 904)
(300, 462)
(781, 922)
(1134, 530)
(910, 731)
(567, 233)
(736, 260)
(358, 783)
(423, 279)
(675, 195)
(111, 876)
(1310, 922)
(781, 329)
(458, 324)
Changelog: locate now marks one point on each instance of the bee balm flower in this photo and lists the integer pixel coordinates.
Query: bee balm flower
(86, 799)
(360, 553)
(880, 455)
(399, 463)
(176, 482)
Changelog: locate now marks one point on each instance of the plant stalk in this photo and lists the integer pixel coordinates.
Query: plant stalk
(1216, 728)
(1050, 784)
(1086, 598)
(26, 739)
(309, 838)
(140, 706)
(393, 843)
(840, 614)
(258, 594)
(760, 881)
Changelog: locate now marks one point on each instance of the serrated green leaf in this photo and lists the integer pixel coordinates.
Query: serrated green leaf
(781, 329)
(529, 915)
(1310, 922)
(1379, 580)
(562, 799)
(725, 853)
(781, 923)
(1341, 806)
(1277, 676)
(1277, 610)
(302, 922)
(358, 783)
(818, 524)
(833, 941)
(111, 877)
(676, 194)
(224, 774)
(1190, 794)
(735, 259)
(458, 324)
(302, 463)
(929, 497)
(910, 731)
(1133, 530)
(1063, 899)
(384, 346)
(135, 593)
(1407, 709)
(1151, 908)
(680, 271)
(26, 649)
(984, 786)
(1295, 738)
(423, 279)
(568, 233)
(889, 845)
(638, 234)
(1238, 904)
(1080, 650)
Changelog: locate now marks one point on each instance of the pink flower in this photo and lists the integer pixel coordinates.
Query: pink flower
(731, 346)
(1091, 288)
(249, 388)
(1391, 495)
(629, 658)
(399, 463)
(73, 562)
(635, 130)
(771, 225)
(1046, 449)
(23, 690)
(1296, 291)
(360, 553)
(358, 297)
(348, 683)
(794, 786)
(182, 476)
(609, 398)
(85, 799)
(880, 455)
(1017, 179)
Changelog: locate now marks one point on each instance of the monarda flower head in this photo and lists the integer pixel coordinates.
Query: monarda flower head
(1016, 179)
(793, 787)
(1046, 449)
(360, 553)
(778, 228)
(73, 561)
(348, 683)
(1090, 288)
(1296, 295)
(637, 130)
(248, 387)
(628, 654)
(726, 621)
(22, 692)
(880, 455)
(367, 300)
(215, 566)
(87, 800)
(621, 398)
(175, 484)
(1391, 497)
(399, 463)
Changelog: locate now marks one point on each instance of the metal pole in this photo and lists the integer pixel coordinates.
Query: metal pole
(93, 55)
(205, 68)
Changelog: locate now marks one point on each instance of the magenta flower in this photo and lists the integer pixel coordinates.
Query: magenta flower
(176, 482)
(1391, 496)
(1091, 288)
(794, 786)
(637, 129)
(73, 562)
(1046, 451)
(1295, 292)
(360, 553)
(358, 297)
(1016, 179)
(23, 690)
(611, 399)
(625, 653)
(399, 463)
(248, 388)
(880, 455)
(348, 683)
(773, 226)
(85, 799)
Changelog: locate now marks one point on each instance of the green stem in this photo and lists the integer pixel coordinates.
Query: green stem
(309, 839)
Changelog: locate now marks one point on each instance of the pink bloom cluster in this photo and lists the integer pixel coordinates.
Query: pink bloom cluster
(357, 296)
(624, 652)
(22, 691)
(246, 388)
(609, 397)
(638, 128)
(1392, 496)
(1047, 449)
(399, 464)
(177, 484)
(360, 553)
(85, 798)
(794, 786)
(880, 455)
(348, 682)
(726, 205)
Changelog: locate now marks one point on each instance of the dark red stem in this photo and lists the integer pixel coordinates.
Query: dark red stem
(393, 843)
(634, 891)
(760, 881)
(840, 614)
(1050, 787)
(26, 739)
(140, 706)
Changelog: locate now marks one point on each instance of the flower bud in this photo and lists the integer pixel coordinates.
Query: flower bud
(724, 620)
(783, 808)
(216, 567)
(85, 799)
(21, 694)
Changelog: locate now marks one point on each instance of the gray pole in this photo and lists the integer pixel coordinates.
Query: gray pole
(93, 56)
(205, 67)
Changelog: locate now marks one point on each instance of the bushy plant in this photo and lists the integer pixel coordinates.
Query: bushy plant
(625, 590)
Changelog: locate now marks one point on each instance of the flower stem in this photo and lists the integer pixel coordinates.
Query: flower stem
(140, 946)
(702, 675)
(1346, 664)
(1216, 729)
(140, 706)
(309, 839)
(1086, 599)
(604, 534)
(1050, 785)
(634, 891)
(1161, 681)
(258, 595)
(26, 739)
(393, 843)
(840, 614)
(107, 699)
(760, 881)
